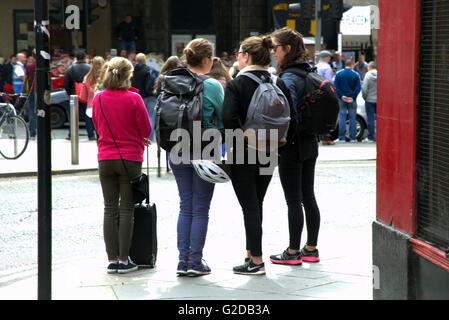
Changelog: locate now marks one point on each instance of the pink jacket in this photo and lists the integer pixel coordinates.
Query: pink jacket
(87, 92)
(129, 122)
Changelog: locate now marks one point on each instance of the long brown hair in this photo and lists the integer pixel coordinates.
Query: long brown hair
(218, 70)
(93, 76)
(298, 51)
(172, 63)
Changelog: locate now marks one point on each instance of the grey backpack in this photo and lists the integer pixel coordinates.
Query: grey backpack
(268, 110)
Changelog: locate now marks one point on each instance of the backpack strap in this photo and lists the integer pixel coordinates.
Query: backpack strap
(298, 71)
(252, 76)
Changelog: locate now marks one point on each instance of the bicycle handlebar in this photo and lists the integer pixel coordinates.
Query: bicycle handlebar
(13, 95)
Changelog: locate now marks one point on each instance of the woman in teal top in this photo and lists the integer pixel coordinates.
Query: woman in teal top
(195, 194)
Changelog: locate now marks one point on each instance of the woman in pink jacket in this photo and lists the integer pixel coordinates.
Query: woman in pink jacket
(90, 81)
(119, 110)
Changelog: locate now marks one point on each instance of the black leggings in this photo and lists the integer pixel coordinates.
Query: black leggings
(250, 188)
(297, 179)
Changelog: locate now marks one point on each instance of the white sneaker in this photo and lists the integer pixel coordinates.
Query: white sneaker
(352, 141)
(339, 141)
(369, 140)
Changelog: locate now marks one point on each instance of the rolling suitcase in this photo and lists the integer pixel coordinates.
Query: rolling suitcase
(143, 251)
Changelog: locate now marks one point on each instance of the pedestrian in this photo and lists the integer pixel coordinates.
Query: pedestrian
(195, 194)
(73, 79)
(348, 86)
(234, 70)
(7, 72)
(143, 79)
(324, 69)
(123, 125)
(369, 93)
(127, 32)
(90, 82)
(337, 64)
(250, 186)
(218, 72)
(19, 74)
(361, 67)
(297, 162)
(30, 71)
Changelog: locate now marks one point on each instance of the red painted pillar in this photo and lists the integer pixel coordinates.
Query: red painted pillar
(398, 49)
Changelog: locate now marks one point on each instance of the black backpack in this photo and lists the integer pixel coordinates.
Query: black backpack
(319, 113)
(178, 105)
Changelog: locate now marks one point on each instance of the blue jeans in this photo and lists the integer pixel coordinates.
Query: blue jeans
(32, 114)
(371, 116)
(195, 197)
(150, 103)
(89, 124)
(345, 109)
(129, 45)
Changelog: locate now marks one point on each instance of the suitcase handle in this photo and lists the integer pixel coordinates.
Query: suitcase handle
(148, 175)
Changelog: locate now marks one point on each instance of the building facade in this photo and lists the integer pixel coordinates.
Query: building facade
(165, 25)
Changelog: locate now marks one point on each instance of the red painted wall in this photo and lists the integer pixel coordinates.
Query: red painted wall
(398, 48)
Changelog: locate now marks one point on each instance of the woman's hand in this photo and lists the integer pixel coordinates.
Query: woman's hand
(146, 141)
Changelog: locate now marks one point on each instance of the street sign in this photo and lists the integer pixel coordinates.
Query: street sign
(356, 21)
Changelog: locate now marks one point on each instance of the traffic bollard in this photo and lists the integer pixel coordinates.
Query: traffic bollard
(74, 127)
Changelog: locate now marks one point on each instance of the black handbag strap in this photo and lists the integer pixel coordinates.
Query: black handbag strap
(110, 131)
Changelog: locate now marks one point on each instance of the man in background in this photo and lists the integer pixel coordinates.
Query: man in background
(324, 69)
(127, 32)
(369, 93)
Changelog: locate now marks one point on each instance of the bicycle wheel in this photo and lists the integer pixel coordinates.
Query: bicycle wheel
(13, 137)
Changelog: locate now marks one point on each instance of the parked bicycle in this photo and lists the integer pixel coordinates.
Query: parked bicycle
(14, 133)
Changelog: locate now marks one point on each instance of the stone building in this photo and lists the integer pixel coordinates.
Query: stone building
(166, 25)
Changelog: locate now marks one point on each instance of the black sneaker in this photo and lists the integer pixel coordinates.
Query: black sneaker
(125, 268)
(250, 268)
(113, 267)
(287, 258)
(310, 256)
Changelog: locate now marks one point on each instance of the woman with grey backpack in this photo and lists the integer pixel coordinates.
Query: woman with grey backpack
(250, 185)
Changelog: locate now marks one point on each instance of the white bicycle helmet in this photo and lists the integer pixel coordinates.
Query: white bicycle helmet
(210, 171)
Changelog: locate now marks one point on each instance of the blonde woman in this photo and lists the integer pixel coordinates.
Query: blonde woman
(90, 81)
(123, 126)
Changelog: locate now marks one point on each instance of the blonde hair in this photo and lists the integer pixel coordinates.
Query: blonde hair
(117, 74)
(141, 57)
(93, 76)
(197, 50)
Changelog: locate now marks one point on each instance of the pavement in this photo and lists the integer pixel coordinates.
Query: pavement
(341, 274)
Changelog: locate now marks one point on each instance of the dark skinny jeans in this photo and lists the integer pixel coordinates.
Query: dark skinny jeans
(250, 188)
(297, 179)
(118, 206)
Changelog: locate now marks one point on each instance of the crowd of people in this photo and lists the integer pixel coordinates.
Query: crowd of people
(118, 109)
(117, 98)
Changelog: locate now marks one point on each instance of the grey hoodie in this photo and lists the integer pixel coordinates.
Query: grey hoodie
(369, 87)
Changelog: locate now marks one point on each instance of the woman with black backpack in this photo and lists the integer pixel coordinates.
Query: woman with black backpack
(195, 194)
(249, 184)
(297, 161)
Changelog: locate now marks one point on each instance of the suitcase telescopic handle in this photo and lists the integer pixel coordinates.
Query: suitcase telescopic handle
(148, 175)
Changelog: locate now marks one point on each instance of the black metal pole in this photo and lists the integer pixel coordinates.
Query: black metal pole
(42, 27)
